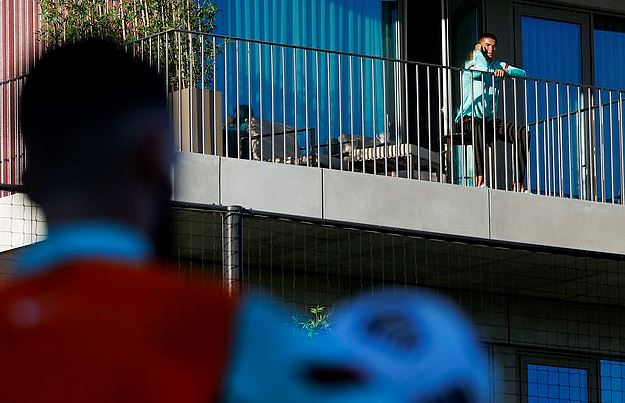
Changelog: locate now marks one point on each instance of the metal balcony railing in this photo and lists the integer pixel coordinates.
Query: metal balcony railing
(294, 105)
(257, 100)
(12, 156)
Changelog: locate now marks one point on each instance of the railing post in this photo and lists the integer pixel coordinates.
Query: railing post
(232, 241)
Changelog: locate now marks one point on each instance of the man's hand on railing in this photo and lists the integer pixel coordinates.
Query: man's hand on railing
(499, 73)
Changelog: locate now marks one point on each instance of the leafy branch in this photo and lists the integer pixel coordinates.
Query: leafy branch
(318, 322)
(130, 21)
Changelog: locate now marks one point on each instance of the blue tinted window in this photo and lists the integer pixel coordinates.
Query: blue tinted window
(612, 381)
(355, 26)
(301, 89)
(551, 50)
(550, 384)
(609, 69)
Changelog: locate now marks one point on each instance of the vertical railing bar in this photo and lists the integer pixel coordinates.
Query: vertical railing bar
(578, 138)
(473, 137)
(397, 98)
(516, 138)
(591, 152)
(225, 44)
(528, 165)
(317, 108)
(193, 115)
(449, 110)
(306, 106)
(601, 146)
(463, 153)
(611, 147)
(418, 123)
(547, 143)
(484, 144)
(261, 129)
(340, 103)
(351, 112)
(505, 131)
(295, 145)
(13, 125)
(203, 85)
(273, 103)
(362, 116)
(284, 148)
(537, 135)
(588, 152)
(409, 157)
(20, 139)
(238, 101)
(158, 54)
(568, 120)
(560, 143)
(215, 96)
(373, 102)
(429, 124)
(620, 145)
(3, 134)
(493, 177)
(249, 101)
(384, 118)
(441, 118)
(329, 112)
(170, 106)
(9, 157)
(179, 73)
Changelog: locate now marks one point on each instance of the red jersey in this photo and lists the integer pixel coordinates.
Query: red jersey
(104, 331)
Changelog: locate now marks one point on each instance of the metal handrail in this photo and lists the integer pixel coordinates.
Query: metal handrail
(337, 115)
(362, 55)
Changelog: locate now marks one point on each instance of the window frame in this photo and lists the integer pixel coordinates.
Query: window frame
(560, 360)
(553, 14)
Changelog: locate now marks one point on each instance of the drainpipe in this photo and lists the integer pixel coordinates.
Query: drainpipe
(232, 240)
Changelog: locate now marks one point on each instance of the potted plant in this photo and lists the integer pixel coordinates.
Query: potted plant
(151, 28)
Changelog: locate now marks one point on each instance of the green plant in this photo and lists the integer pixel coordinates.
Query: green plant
(130, 21)
(318, 322)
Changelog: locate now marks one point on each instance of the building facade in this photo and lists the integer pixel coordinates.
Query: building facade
(331, 125)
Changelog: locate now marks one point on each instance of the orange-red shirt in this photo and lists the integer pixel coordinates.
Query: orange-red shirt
(95, 331)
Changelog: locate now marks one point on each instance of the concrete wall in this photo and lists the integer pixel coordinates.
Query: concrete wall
(401, 203)
(21, 222)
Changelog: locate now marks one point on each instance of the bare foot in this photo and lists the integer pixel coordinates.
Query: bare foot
(518, 187)
(479, 181)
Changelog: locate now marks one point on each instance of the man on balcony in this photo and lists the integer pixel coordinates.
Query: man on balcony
(480, 93)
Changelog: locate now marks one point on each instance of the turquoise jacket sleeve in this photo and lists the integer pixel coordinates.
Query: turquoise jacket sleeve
(478, 64)
(510, 70)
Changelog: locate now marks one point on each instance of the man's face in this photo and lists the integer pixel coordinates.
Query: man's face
(490, 47)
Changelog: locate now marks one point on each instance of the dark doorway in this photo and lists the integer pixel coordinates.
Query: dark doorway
(423, 44)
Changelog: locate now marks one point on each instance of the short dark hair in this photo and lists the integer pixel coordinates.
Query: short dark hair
(76, 107)
(486, 35)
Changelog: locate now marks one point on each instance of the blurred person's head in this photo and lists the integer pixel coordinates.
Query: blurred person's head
(400, 346)
(95, 125)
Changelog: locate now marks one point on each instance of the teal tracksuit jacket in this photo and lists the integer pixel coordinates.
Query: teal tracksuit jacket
(479, 93)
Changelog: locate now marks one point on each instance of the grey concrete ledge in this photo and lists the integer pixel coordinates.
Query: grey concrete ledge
(401, 203)
(196, 178)
(406, 204)
(557, 222)
(271, 187)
